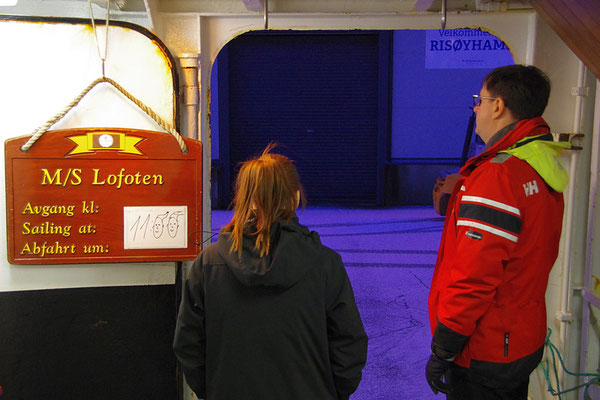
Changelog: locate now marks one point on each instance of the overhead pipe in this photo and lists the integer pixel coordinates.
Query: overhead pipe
(531, 38)
(189, 64)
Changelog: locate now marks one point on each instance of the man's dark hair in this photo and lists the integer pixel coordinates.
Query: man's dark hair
(524, 88)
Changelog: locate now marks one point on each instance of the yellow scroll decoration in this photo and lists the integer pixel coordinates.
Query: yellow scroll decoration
(105, 140)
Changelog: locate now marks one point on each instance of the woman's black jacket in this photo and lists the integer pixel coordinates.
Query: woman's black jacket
(284, 326)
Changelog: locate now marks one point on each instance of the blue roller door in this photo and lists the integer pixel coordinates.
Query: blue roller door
(317, 95)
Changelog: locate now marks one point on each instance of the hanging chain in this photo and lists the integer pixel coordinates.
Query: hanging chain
(164, 124)
(103, 58)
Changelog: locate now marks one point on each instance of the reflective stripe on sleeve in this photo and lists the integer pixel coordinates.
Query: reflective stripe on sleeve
(489, 229)
(493, 203)
(491, 216)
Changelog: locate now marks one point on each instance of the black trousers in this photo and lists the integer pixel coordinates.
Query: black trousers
(493, 381)
(467, 385)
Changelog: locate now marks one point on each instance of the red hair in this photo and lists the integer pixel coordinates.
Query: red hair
(265, 192)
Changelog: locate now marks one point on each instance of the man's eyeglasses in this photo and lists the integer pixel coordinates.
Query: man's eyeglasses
(477, 99)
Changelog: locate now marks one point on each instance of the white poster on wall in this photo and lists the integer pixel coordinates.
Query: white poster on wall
(464, 49)
(155, 227)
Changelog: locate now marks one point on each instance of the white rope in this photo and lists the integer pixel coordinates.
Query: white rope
(164, 124)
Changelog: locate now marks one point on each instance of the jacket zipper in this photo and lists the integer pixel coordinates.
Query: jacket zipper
(506, 344)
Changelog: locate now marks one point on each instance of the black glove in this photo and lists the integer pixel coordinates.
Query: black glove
(434, 372)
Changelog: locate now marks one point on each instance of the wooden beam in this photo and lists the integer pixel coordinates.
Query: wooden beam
(577, 23)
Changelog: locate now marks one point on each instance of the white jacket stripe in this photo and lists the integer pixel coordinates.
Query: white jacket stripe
(489, 229)
(493, 203)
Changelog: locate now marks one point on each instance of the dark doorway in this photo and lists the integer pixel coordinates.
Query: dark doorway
(323, 96)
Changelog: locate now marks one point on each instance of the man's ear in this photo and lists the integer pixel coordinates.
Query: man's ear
(498, 108)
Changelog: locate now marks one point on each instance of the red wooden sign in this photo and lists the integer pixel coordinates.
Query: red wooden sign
(103, 195)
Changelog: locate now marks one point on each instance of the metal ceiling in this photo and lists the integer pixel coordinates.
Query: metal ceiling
(140, 11)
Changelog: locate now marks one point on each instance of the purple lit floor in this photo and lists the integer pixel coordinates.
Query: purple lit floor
(389, 255)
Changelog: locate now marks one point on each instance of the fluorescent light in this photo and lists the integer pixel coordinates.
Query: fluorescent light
(8, 2)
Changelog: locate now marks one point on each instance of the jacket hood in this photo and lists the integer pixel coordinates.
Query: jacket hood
(544, 157)
(293, 251)
(530, 140)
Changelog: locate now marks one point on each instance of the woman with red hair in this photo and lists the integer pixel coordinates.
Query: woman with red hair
(268, 312)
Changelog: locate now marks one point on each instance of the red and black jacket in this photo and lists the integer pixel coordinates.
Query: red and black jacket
(500, 241)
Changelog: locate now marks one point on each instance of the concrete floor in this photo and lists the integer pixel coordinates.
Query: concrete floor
(389, 255)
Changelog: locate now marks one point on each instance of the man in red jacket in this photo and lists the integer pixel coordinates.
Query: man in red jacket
(500, 240)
